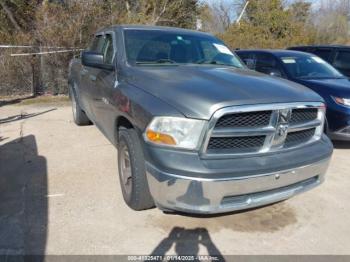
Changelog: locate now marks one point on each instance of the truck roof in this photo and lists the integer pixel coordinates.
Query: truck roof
(147, 27)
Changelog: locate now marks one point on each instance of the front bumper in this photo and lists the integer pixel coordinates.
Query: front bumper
(185, 182)
(209, 196)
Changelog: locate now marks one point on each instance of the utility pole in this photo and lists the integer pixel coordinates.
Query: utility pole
(241, 14)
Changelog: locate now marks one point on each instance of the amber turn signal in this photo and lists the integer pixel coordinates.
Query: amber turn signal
(160, 138)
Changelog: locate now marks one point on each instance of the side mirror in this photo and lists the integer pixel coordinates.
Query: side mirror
(94, 59)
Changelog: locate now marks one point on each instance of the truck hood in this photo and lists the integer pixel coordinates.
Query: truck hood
(198, 91)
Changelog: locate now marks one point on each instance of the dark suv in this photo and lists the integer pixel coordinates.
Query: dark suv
(196, 131)
(313, 72)
(336, 55)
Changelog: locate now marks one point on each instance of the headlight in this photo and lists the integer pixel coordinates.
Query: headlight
(342, 101)
(175, 132)
(320, 116)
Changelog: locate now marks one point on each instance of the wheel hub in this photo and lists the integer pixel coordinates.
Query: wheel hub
(126, 170)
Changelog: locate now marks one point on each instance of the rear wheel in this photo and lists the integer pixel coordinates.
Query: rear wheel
(79, 115)
(132, 171)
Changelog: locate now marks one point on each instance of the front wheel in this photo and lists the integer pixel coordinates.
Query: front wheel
(132, 171)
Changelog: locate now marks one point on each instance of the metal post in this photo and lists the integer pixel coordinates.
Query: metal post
(35, 63)
(34, 84)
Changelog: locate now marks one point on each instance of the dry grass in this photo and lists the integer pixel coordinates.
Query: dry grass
(46, 100)
(29, 100)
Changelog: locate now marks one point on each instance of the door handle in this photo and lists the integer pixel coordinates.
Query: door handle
(92, 77)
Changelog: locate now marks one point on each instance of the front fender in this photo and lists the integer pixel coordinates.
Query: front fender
(139, 106)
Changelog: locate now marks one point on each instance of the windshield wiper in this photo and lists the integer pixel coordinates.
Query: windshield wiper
(203, 62)
(159, 61)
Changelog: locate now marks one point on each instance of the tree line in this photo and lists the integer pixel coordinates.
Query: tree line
(66, 24)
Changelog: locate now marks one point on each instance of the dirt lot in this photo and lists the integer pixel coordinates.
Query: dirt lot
(60, 194)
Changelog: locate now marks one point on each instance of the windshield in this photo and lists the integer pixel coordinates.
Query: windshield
(308, 66)
(149, 47)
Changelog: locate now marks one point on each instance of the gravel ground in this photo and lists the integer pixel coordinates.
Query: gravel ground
(60, 194)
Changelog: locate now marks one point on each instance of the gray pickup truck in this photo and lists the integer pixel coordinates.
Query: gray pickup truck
(196, 131)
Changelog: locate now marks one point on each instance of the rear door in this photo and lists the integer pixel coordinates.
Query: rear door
(342, 61)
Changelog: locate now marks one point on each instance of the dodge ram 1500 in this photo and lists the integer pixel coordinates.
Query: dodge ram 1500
(196, 131)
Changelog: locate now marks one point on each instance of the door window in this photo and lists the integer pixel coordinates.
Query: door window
(267, 64)
(108, 50)
(97, 44)
(248, 59)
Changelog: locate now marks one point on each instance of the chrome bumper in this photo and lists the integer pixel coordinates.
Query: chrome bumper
(210, 196)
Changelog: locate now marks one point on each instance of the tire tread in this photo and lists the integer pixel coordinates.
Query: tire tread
(141, 198)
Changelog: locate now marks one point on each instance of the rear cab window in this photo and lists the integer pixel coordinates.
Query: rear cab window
(342, 60)
(324, 53)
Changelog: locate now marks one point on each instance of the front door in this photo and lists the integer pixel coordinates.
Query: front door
(88, 79)
(105, 82)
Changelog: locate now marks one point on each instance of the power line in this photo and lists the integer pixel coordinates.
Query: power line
(30, 46)
(17, 46)
(46, 53)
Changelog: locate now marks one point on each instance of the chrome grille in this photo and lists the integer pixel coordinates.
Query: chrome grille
(299, 137)
(263, 128)
(303, 115)
(248, 142)
(249, 119)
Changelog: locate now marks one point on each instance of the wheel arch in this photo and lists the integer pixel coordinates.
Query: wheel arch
(121, 122)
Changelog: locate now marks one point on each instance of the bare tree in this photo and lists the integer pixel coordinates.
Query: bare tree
(220, 15)
(10, 15)
(332, 21)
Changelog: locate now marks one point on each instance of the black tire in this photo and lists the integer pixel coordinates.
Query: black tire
(79, 115)
(135, 191)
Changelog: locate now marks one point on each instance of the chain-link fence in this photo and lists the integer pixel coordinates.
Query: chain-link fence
(39, 70)
(15, 73)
